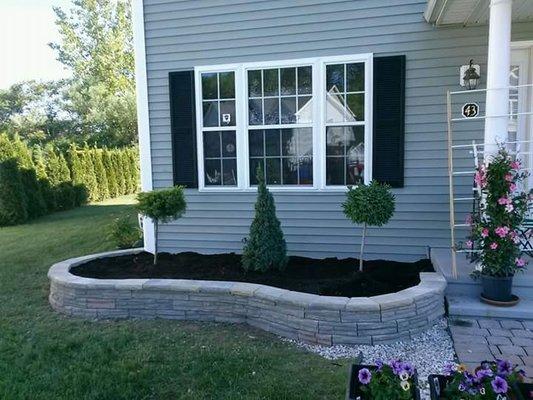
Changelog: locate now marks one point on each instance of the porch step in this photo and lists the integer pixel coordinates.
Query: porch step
(467, 306)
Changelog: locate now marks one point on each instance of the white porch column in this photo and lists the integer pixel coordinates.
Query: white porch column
(498, 64)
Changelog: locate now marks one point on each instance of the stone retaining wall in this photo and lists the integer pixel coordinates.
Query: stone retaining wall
(306, 317)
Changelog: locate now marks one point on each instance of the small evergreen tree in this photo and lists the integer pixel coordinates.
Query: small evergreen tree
(265, 248)
(100, 173)
(13, 201)
(76, 165)
(369, 205)
(121, 182)
(89, 176)
(161, 206)
(110, 173)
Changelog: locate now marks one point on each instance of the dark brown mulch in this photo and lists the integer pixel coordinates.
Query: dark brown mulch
(329, 276)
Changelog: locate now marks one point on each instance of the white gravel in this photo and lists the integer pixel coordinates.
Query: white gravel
(429, 352)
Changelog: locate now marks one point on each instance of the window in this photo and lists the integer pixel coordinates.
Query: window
(280, 125)
(345, 123)
(305, 123)
(218, 129)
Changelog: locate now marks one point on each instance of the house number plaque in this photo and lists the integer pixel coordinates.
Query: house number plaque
(470, 110)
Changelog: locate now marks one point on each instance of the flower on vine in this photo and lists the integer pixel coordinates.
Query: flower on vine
(494, 245)
(509, 208)
(509, 177)
(480, 177)
(504, 200)
(405, 385)
(520, 262)
(502, 231)
(485, 232)
(515, 165)
(468, 219)
(512, 187)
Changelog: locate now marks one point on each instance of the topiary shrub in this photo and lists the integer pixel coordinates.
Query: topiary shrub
(161, 206)
(370, 205)
(124, 232)
(265, 248)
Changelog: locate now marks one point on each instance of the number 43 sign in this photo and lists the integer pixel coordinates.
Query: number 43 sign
(470, 110)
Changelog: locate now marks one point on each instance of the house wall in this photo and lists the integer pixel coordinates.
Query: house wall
(181, 34)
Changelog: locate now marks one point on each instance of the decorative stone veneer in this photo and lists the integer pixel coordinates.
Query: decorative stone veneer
(307, 317)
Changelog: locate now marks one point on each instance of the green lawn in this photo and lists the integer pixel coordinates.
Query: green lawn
(44, 355)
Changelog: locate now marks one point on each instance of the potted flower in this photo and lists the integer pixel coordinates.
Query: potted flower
(395, 380)
(495, 228)
(489, 381)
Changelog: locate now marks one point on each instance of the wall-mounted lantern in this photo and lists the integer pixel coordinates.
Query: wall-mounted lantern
(470, 76)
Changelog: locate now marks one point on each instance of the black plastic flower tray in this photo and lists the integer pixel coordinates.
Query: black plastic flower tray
(353, 391)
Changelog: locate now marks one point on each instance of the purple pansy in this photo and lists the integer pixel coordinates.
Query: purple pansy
(504, 367)
(499, 385)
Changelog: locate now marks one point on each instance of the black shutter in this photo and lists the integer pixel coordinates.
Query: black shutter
(389, 120)
(183, 128)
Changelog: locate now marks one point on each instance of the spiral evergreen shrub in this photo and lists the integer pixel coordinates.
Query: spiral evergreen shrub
(13, 201)
(370, 205)
(265, 248)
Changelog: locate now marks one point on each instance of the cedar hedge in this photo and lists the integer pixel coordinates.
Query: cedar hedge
(37, 181)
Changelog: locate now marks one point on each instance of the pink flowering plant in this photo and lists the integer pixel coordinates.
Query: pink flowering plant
(502, 211)
(489, 381)
(394, 380)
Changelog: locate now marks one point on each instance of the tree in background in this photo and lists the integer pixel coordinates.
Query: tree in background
(97, 46)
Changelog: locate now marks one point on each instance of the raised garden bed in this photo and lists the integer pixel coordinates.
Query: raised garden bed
(307, 317)
(326, 277)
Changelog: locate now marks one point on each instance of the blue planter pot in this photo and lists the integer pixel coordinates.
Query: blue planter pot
(497, 288)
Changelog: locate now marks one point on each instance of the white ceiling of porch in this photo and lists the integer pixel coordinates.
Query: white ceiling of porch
(471, 12)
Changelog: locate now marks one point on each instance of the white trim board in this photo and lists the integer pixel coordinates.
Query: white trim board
(143, 122)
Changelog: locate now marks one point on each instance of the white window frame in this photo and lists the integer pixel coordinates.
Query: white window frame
(318, 65)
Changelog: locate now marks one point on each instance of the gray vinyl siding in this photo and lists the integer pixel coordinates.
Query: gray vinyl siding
(181, 34)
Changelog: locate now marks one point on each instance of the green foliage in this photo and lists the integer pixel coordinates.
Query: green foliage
(101, 175)
(265, 248)
(111, 173)
(162, 205)
(370, 205)
(89, 174)
(124, 232)
(388, 382)
(13, 201)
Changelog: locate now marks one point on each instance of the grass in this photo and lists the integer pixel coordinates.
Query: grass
(44, 355)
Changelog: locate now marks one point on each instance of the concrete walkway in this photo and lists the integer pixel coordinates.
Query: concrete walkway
(477, 340)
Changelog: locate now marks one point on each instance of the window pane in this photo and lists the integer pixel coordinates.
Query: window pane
(305, 80)
(229, 168)
(255, 163)
(306, 170)
(211, 144)
(288, 142)
(335, 107)
(355, 107)
(334, 141)
(209, 86)
(288, 81)
(254, 83)
(272, 142)
(335, 78)
(227, 85)
(255, 112)
(271, 83)
(255, 139)
(288, 110)
(272, 111)
(335, 170)
(305, 110)
(305, 142)
(355, 77)
(210, 113)
(228, 144)
(290, 171)
(354, 172)
(273, 171)
(212, 172)
(227, 113)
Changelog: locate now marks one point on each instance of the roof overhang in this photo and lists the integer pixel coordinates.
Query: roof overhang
(471, 12)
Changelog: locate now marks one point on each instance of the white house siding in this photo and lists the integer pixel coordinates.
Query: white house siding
(183, 33)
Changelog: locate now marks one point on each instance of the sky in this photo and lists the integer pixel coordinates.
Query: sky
(26, 29)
